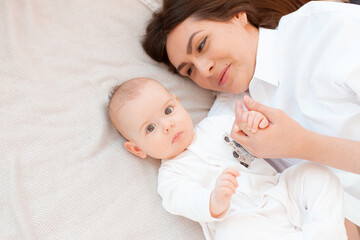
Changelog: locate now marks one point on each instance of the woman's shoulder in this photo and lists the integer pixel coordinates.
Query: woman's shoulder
(315, 8)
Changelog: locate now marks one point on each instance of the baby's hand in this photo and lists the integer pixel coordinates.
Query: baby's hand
(253, 119)
(224, 189)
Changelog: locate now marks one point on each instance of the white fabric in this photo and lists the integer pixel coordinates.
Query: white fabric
(310, 67)
(64, 173)
(154, 5)
(266, 204)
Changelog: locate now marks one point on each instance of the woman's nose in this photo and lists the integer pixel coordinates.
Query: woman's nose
(205, 66)
(168, 125)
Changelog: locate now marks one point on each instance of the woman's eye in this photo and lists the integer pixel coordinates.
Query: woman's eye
(202, 45)
(150, 128)
(189, 71)
(168, 110)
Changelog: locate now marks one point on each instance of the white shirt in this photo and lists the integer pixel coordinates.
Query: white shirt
(262, 205)
(186, 181)
(310, 68)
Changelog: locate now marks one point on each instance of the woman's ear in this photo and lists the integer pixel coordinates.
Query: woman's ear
(240, 17)
(134, 149)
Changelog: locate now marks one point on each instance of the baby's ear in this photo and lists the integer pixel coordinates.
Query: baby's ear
(134, 149)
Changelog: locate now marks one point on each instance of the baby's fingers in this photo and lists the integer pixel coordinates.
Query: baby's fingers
(257, 120)
(245, 117)
(264, 123)
(227, 189)
(250, 122)
(235, 173)
(228, 178)
(229, 181)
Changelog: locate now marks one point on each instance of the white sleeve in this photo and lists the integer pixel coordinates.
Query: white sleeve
(184, 197)
(348, 51)
(352, 83)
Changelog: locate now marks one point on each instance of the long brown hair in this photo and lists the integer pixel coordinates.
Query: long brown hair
(260, 13)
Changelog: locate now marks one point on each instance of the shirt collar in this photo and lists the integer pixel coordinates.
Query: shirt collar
(266, 57)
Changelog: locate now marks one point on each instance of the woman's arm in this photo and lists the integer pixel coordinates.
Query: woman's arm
(335, 152)
(285, 138)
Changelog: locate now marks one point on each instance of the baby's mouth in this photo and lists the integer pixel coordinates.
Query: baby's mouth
(177, 137)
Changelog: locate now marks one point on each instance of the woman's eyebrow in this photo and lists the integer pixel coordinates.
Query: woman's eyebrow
(189, 45)
(188, 49)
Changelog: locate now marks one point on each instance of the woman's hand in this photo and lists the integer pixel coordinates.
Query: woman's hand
(283, 138)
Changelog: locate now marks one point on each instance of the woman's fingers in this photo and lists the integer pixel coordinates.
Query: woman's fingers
(280, 139)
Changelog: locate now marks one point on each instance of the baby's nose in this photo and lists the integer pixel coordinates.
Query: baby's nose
(168, 126)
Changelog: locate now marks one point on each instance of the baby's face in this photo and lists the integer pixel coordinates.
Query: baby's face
(157, 123)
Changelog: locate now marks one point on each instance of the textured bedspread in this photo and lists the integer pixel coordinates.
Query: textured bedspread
(63, 171)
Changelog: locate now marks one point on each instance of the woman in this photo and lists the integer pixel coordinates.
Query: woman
(309, 67)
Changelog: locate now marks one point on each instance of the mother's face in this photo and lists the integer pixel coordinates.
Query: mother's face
(219, 56)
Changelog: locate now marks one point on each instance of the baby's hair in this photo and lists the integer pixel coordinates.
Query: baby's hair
(123, 93)
(128, 90)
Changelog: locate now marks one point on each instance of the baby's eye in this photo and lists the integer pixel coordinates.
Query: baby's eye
(189, 71)
(150, 128)
(169, 110)
(202, 44)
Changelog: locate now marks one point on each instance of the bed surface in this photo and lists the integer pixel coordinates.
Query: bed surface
(64, 173)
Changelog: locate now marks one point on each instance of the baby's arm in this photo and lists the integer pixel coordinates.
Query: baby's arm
(253, 119)
(183, 195)
(225, 187)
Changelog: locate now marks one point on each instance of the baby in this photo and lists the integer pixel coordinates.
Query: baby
(209, 178)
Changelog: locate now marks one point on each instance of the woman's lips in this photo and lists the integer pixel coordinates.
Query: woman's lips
(177, 137)
(223, 76)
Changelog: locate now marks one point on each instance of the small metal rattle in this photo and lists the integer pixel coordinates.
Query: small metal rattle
(244, 157)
